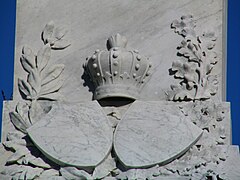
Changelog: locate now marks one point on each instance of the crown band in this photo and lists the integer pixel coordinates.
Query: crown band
(116, 90)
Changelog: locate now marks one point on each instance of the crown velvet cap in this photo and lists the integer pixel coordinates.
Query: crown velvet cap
(117, 71)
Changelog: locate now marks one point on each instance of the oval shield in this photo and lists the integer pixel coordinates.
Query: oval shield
(74, 134)
(153, 133)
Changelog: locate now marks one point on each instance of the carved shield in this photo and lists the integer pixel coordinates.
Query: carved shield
(74, 134)
(153, 133)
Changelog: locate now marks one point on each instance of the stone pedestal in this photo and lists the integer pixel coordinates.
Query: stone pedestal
(119, 90)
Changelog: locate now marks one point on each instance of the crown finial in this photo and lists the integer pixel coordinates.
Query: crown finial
(117, 41)
(117, 72)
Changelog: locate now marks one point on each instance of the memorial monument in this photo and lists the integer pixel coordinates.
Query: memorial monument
(119, 90)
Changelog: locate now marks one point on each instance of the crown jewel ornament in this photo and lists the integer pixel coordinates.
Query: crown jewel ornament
(117, 71)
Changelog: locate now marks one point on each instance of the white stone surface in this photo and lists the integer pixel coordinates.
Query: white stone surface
(150, 133)
(213, 117)
(146, 24)
(153, 133)
(74, 134)
(7, 126)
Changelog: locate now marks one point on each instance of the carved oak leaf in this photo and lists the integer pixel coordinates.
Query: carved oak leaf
(191, 51)
(185, 27)
(202, 90)
(48, 32)
(181, 93)
(212, 61)
(207, 40)
(212, 57)
(183, 96)
(185, 71)
(212, 84)
(209, 68)
(43, 56)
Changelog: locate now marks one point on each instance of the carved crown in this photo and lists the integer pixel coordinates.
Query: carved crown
(117, 71)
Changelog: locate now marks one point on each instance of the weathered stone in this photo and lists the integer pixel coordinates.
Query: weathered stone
(74, 134)
(182, 38)
(153, 133)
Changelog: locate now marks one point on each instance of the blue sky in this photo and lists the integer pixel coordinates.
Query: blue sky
(7, 32)
(233, 66)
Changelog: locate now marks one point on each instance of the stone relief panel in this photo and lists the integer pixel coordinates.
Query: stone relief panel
(194, 67)
(145, 23)
(57, 132)
(43, 80)
(77, 138)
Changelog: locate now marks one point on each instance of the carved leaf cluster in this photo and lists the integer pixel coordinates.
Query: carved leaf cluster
(184, 27)
(22, 172)
(26, 162)
(20, 117)
(195, 64)
(25, 153)
(54, 36)
(43, 82)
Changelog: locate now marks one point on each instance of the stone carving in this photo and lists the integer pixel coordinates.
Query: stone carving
(88, 150)
(117, 71)
(43, 83)
(81, 137)
(149, 124)
(55, 36)
(134, 140)
(195, 64)
(207, 158)
(211, 117)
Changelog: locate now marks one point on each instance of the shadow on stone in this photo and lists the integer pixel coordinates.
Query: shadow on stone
(88, 82)
(115, 101)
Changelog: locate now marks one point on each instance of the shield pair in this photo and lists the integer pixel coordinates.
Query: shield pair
(80, 134)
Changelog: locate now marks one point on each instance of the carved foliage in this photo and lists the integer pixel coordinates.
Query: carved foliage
(26, 162)
(195, 64)
(55, 36)
(43, 82)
